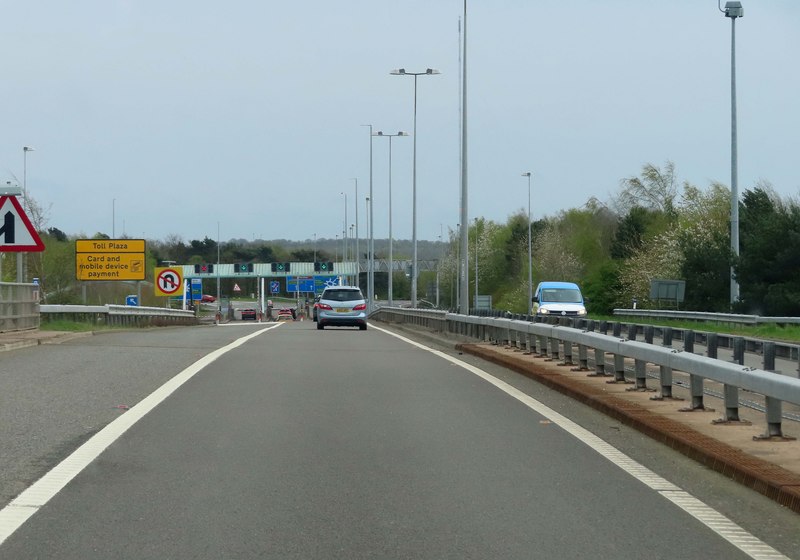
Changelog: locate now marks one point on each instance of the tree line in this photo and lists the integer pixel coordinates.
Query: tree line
(654, 227)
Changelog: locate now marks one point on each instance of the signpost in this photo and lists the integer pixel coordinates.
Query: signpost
(168, 282)
(300, 284)
(110, 259)
(197, 289)
(16, 231)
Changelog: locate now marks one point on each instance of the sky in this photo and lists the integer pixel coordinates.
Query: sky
(245, 118)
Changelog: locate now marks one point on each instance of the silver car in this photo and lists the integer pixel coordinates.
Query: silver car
(342, 306)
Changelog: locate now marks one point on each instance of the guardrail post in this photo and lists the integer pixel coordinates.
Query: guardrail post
(616, 329)
(554, 348)
(712, 345)
(774, 417)
(599, 364)
(590, 325)
(603, 327)
(583, 358)
(730, 392)
(528, 343)
(695, 381)
(649, 331)
(665, 372)
(619, 369)
(641, 376)
(567, 354)
(541, 346)
(515, 343)
(738, 350)
(769, 356)
(632, 331)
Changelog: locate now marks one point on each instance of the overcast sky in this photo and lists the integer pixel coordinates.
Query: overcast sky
(180, 115)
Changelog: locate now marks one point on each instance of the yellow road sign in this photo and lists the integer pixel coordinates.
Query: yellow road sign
(109, 246)
(109, 266)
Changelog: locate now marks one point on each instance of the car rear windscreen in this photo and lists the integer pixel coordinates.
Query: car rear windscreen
(343, 295)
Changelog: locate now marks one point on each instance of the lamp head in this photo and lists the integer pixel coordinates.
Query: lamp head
(398, 72)
(733, 9)
(401, 133)
(27, 149)
(432, 71)
(528, 174)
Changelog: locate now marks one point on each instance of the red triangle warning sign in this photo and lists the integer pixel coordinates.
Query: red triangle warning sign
(16, 231)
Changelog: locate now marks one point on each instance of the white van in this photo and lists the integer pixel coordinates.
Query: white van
(558, 298)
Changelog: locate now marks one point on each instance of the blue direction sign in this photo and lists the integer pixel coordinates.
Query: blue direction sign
(197, 289)
(322, 282)
(132, 300)
(299, 283)
(274, 286)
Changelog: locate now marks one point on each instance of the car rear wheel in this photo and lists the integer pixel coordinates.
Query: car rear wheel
(362, 327)
(320, 326)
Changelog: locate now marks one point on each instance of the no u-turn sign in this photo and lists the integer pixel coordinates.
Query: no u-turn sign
(169, 282)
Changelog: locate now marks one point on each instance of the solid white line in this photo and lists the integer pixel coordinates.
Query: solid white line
(708, 516)
(40, 492)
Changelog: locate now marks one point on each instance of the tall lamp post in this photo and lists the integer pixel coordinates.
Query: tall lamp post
(734, 10)
(475, 303)
(530, 261)
(25, 150)
(20, 256)
(414, 271)
(219, 303)
(391, 255)
(344, 229)
(371, 244)
(358, 255)
(368, 214)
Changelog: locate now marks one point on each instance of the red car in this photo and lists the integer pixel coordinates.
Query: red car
(249, 314)
(207, 299)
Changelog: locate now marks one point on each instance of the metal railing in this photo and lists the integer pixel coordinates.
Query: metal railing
(19, 306)
(703, 316)
(574, 346)
(118, 315)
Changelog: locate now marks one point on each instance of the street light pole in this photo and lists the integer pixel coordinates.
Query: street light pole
(21, 256)
(464, 308)
(368, 213)
(391, 239)
(358, 255)
(344, 229)
(219, 303)
(734, 10)
(475, 303)
(414, 271)
(371, 245)
(530, 261)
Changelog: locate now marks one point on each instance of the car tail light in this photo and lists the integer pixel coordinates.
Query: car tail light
(360, 307)
(324, 306)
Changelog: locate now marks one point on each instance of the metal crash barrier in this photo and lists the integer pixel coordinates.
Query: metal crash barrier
(560, 342)
(19, 306)
(118, 315)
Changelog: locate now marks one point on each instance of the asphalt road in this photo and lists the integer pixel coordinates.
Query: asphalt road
(332, 444)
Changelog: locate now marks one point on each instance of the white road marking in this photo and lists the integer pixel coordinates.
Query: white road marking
(708, 516)
(40, 492)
